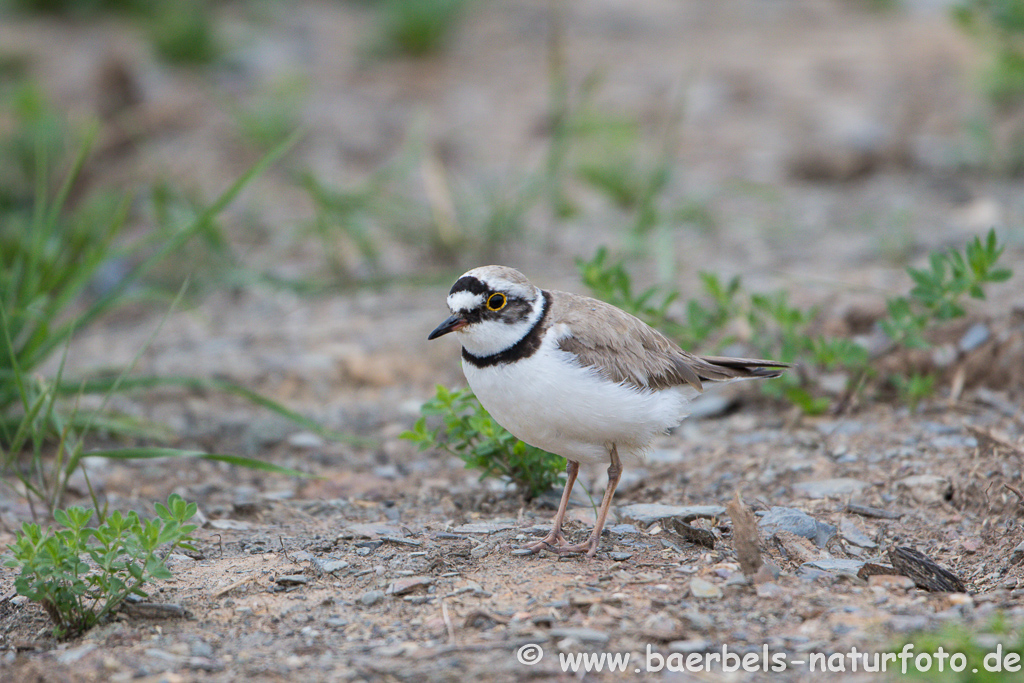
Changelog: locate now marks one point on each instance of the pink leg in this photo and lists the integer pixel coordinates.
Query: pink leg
(591, 544)
(555, 539)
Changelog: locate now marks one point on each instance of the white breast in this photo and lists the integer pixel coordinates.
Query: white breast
(551, 402)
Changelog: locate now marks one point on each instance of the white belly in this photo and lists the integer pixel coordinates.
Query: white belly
(550, 402)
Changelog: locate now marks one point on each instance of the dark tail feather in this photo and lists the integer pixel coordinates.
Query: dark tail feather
(719, 368)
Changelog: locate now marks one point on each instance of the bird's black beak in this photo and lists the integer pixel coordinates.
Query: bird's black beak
(453, 323)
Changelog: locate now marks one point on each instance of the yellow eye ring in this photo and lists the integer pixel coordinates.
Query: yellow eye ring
(496, 302)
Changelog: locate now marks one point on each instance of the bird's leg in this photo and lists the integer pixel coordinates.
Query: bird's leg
(555, 539)
(590, 545)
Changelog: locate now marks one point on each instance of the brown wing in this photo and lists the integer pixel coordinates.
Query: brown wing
(625, 349)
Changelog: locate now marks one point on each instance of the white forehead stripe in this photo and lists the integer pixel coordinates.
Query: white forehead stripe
(464, 301)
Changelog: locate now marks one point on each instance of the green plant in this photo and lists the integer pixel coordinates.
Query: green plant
(81, 574)
(273, 114)
(939, 289)
(50, 257)
(998, 25)
(416, 28)
(184, 31)
(984, 654)
(785, 332)
(611, 282)
(469, 432)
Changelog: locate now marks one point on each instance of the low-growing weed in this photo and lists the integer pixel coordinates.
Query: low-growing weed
(782, 331)
(469, 432)
(81, 574)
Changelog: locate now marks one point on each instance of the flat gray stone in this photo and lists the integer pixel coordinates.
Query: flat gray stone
(648, 513)
(850, 533)
(370, 598)
(835, 565)
(797, 522)
(687, 646)
(482, 528)
(926, 488)
(583, 635)
(825, 488)
(329, 565)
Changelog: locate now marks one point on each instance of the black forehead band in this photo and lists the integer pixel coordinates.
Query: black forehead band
(468, 283)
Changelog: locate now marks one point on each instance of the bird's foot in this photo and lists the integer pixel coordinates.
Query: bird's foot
(556, 543)
(552, 542)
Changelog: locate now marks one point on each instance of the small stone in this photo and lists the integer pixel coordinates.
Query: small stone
(926, 488)
(371, 530)
(583, 635)
(836, 565)
(201, 648)
(291, 580)
(620, 557)
(891, 581)
(483, 527)
(329, 566)
(305, 440)
(770, 590)
(797, 522)
(701, 588)
(851, 534)
(519, 552)
(977, 335)
(648, 513)
(228, 524)
(972, 545)
(1017, 554)
(408, 584)
(370, 598)
(72, 655)
(687, 646)
(826, 488)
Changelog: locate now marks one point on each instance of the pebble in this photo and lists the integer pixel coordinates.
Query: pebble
(1017, 555)
(891, 581)
(581, 634)
(72, 655)
(620, 557)
(648, 513)
(825, 488)
(330, 565)
(201, 648)
(522, 551)
(836, 565)
(306, 440)
(370, 598)
(292, 580)
(852, 534)
(797, 522)
(977, 335)
(483, 527)
(701, 588)
(409, 584)
(926, 488)
(688, 646)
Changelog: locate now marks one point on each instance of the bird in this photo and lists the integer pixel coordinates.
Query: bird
(576, 376)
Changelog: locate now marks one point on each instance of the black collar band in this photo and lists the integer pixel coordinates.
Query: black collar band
(524, 348)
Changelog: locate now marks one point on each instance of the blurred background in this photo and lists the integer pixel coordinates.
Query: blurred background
(318, 173)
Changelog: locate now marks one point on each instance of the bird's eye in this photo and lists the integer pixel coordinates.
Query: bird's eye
(496, 302)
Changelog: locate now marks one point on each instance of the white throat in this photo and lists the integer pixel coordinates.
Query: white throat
(489, 337)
